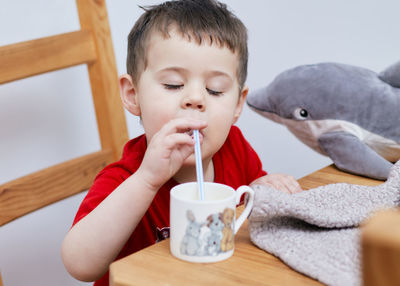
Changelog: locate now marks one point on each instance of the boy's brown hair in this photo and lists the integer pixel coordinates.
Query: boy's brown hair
(203, 20)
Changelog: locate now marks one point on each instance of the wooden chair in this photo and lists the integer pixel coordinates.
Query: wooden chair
(91, 45)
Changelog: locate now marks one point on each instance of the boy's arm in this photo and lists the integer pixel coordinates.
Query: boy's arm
(281, 182)
(95, 241)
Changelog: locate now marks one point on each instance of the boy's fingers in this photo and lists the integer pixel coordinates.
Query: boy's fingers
(291, 184)
(294, 186)
(279, 186)
(298, 188)
(179, 125)
(281, 182)
(175, 139)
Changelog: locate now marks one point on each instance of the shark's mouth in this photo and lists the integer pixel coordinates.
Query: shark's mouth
(303, 130)
(257, 109)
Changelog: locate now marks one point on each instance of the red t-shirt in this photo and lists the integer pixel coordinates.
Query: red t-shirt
(235, 164)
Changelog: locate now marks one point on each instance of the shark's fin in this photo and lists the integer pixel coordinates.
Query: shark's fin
(391, 75)
(352, 155)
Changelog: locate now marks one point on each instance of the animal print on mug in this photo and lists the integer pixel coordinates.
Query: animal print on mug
(211, 237)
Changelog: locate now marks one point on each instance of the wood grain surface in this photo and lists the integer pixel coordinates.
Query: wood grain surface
(47, 54)
(381, 249)
(44, 187)
(103, 77)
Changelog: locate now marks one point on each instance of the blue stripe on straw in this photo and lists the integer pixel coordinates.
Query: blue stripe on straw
(199, 164)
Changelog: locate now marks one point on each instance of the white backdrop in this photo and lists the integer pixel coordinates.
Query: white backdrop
(282, 34)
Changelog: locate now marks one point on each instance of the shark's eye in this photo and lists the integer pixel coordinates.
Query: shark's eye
(300, 113)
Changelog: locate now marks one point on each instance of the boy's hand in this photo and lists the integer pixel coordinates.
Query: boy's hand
(167, 150)
(281, 182)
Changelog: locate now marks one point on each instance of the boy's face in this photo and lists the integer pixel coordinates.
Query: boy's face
(185, 79)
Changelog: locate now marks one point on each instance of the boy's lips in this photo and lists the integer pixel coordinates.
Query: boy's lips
(201, 136)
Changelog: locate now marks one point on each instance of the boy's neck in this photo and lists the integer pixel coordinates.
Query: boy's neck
(188, 173)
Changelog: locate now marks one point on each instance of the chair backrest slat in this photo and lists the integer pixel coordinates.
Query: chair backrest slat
(103, 76)
(46, 186)
(38, 56)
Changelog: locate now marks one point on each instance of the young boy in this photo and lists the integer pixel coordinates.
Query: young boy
(187, 65)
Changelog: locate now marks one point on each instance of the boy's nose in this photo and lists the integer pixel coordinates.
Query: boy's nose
(194, 101)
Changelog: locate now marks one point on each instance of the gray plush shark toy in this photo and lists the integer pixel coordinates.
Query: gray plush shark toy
(348, 113)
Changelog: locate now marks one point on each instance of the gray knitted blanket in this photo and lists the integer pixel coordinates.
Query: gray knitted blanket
(316, 231)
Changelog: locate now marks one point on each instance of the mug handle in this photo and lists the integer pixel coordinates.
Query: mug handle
(249, 205)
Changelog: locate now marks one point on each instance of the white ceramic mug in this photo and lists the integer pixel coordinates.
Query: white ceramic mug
(204, 230)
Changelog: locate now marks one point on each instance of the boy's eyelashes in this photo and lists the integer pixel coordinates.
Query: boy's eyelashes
(213, 92)
(172, 86)
(179, 86)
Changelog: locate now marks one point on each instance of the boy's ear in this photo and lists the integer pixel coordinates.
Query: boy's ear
(240, 104)
(128, 94)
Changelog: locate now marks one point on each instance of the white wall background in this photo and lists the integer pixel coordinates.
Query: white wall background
(282, 34)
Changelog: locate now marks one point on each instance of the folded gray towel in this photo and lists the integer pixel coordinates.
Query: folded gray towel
(315, 232)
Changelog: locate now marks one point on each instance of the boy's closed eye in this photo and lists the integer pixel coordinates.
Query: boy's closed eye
(214, 92)
(179, 86)
(172, 86)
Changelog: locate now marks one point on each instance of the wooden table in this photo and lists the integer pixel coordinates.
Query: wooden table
(249, 265)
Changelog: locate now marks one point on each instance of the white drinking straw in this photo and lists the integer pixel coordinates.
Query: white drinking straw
(199, 164)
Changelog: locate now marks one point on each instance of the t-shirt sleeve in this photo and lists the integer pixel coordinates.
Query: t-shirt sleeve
(112, 176)
(104, 184)
(254, 168)
(253, 165)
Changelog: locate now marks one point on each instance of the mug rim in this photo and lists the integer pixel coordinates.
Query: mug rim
(177, 187)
